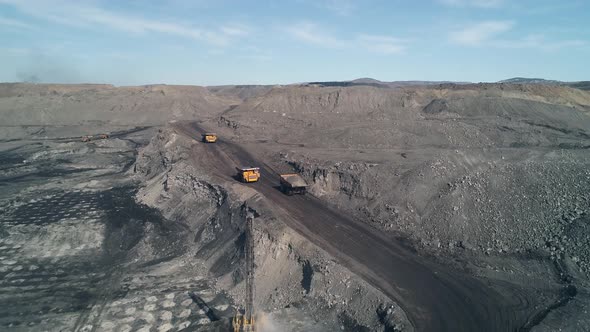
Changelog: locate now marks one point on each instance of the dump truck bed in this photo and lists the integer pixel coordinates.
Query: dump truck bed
(243, 169)
(293, 180)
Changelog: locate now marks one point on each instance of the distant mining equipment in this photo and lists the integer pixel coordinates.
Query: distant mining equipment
(244, 321)
(89, 138)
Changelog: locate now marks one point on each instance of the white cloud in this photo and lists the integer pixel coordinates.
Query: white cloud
(86, 16)
(473, 3)
(487, 34)
(480, 33)
(382, 44)
(539, 42)
(235, 30)
(257, 57)
(338, 7)
(14, 23)
(15, 51)
(312, 33)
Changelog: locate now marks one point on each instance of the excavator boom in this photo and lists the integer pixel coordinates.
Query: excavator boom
(245, 322)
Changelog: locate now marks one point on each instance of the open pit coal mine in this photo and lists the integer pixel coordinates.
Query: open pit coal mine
(440, 207)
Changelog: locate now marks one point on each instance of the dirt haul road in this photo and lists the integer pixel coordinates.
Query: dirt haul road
(434, 298)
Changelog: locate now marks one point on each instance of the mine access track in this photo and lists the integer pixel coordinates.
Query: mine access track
(434, 297)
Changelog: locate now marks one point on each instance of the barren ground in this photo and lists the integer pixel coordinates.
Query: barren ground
(433, 208)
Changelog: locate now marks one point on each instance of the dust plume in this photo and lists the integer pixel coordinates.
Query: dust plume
(267, 323)
(41, 67)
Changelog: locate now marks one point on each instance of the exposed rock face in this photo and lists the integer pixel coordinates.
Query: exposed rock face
(469, 202)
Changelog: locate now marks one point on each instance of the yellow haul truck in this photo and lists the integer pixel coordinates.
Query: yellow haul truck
(248, 174)
(293, 184)
(89, 138)
(209, 137)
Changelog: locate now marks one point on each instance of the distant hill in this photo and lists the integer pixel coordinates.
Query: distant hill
(380, 84)
(249, 91)
(376, 84)
(524, 80)
(367, 80)
(582, 85)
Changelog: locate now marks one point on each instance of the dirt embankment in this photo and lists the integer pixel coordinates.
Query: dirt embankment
(474, 202)
(494, 168)
(371, 118)
(293, 277)
(497, 169)
(521, 222)
(54, 104)
(483, 173)
(76, 251)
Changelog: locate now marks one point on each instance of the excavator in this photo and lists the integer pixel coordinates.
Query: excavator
(244, 320)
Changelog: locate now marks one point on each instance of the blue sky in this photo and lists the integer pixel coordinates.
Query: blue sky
(209, 42)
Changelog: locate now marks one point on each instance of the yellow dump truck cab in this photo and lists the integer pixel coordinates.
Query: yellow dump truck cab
(249, 174)
(209, 137)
